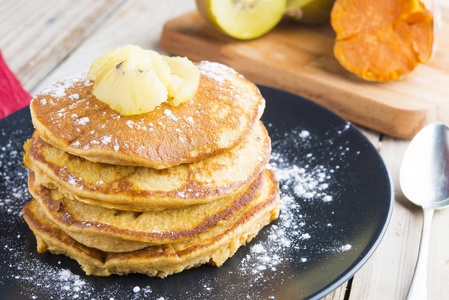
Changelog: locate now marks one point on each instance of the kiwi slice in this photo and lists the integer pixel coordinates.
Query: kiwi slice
(243, 19)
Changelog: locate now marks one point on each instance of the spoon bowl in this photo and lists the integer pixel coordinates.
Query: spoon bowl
(424, 174)
(424, 180)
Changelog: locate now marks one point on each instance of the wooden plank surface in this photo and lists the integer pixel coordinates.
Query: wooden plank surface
(300, 59)
(107, 24)
(116, 31)
(338, 294)
(36, 36)
(387, 275)
(135, 22)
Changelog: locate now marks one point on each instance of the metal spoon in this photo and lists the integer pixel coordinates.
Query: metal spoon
(424, 179)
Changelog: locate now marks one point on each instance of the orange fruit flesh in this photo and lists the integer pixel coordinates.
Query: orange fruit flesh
(382, 40)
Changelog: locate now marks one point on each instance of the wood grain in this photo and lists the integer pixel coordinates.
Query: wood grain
(387, 275)
(135, 22)
(116, 32)
(300, 59)
(44, 41)
(338, 294)
(41, 34)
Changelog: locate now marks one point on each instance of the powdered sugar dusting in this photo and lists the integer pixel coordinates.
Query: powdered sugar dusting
(215, 71)
(82, 121)
(307, 182)
(106, 139)
(304, 182)
(169, 114)
(130, 124)
(304, 134)
(285, 245)
(58, 89)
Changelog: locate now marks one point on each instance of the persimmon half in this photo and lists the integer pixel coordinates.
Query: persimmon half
(380, 40)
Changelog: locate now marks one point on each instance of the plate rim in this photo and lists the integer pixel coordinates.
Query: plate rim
(367, 252)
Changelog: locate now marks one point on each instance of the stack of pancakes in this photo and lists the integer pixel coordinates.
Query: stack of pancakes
(154, 193)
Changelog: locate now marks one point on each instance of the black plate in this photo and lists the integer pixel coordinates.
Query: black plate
(337, 200)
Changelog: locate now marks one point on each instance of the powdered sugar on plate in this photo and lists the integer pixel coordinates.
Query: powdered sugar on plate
(283, 245)
(302, 181)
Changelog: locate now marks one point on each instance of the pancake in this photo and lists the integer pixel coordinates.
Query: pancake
(119, 231)
(221, 115)
(213, 246)
(144, 189)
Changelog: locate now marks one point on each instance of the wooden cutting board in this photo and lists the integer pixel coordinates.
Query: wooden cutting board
(299, 59)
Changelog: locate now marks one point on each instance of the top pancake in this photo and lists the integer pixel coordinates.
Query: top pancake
(222, 113)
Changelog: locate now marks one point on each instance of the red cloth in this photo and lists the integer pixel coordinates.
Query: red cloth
(12, 95)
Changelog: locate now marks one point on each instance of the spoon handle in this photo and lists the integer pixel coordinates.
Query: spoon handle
(418, 287)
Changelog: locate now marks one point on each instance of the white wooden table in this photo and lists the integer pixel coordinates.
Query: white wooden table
(45, 40)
